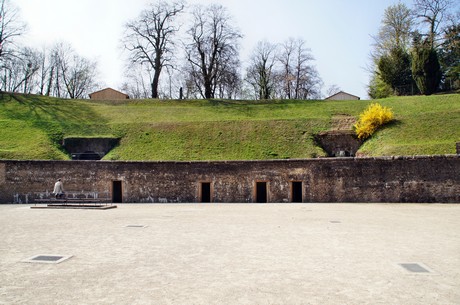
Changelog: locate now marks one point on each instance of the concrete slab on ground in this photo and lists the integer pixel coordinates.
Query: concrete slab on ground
(232, 254)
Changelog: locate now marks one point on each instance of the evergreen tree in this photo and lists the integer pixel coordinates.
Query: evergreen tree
(395, 70)
(426, 69)
(449, 57)
(378, 88)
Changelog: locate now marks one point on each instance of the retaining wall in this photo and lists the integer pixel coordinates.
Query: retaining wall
(387, 179)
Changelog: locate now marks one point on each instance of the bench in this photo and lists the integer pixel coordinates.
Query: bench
(73, 197)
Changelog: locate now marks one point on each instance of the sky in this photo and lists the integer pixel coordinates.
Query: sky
(338, 32)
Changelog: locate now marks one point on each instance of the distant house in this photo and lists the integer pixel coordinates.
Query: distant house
(108, 94)
(342, 96)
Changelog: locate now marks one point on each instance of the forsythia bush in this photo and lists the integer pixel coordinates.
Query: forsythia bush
(371, 119)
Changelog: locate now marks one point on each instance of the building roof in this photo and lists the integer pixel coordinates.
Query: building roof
(343, 92)
(109, 89)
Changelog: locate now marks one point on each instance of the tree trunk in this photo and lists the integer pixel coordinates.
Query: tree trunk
(208, 90)
(154, 86)
(156, 74)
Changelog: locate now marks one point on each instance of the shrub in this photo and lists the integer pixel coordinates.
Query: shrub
(371, 119)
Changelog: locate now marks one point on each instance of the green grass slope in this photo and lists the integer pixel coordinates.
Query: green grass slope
(425, 125)
(31, 127)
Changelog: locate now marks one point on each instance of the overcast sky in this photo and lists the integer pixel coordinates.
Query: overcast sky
(338, 32)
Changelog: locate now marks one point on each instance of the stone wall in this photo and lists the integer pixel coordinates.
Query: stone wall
(388, 179)
(337, 143)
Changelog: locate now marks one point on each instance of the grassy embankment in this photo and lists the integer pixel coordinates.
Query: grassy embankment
(31, 127)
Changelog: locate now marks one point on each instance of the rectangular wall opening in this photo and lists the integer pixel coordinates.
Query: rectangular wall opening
(205, 192)
(117, 192)
(261, 192)
(296, 191)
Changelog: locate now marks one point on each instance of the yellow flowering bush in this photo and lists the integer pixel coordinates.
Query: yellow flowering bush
(371, 119)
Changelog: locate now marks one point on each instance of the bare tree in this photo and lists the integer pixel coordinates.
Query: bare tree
(212, 52)
(60, 60)
(433, 13)
(11, 73)
(287, 58)
(138, 81)
(10, 28)
(333, 89)
(229, 84)
(71, 76)
(192, 83)
(228, 79)
(45, 71)
(395, 30)
(19, 71)
(10, 60)
(79, 77)
(261, 74)
(30, 67)
(149, 39)
(300, 79)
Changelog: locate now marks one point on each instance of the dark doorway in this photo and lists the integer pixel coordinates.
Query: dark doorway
(296, 191)
(117, 192)
(205, 192)
(261, 192)
(89, 148)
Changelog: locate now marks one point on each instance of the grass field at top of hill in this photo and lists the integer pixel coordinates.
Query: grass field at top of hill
(31, 127)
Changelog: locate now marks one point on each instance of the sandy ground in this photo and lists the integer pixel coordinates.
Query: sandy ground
(232, 254)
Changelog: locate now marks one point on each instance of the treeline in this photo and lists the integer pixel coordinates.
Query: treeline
(417, 50)
(58, 71)
(200, 59)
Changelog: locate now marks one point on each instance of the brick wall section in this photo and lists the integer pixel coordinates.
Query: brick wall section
(389, 179)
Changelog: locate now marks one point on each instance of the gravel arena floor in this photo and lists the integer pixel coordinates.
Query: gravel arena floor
(232, 254)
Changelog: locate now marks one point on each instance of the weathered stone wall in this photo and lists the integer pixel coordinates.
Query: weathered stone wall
(390, 179)
(337, 143)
